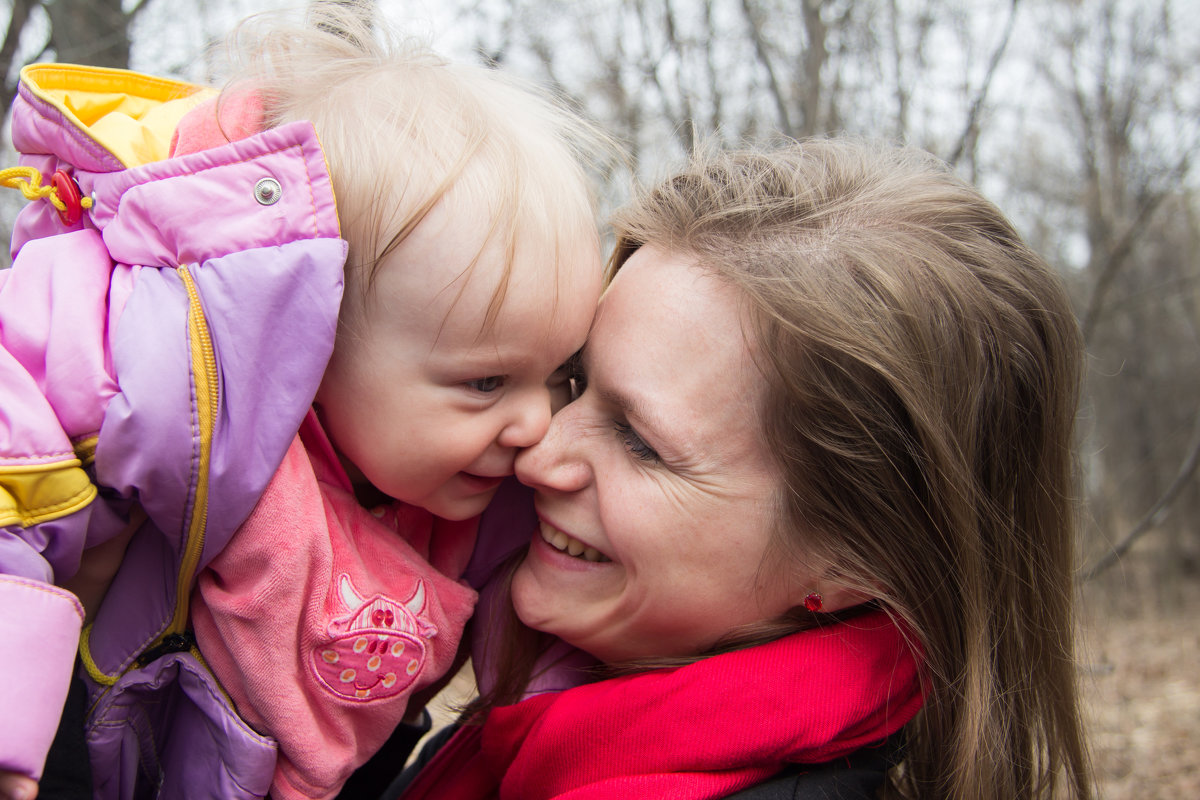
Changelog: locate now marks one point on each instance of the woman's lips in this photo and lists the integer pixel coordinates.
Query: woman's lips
(569, 545)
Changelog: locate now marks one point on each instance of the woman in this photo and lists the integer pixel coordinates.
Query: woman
(812, 506)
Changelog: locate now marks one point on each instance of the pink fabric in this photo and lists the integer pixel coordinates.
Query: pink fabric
(241, 115)
(705, 730)
(55, 380)
(52, 323)
(39, 631)
(320, 618)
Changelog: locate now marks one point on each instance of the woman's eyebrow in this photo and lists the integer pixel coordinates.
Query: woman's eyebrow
(621, 400)
(634, 408)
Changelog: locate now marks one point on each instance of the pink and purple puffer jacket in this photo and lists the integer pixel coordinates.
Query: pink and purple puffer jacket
(157, 357)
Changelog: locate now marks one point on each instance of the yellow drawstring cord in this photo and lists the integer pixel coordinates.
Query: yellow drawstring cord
(29, 181)
(85, 654)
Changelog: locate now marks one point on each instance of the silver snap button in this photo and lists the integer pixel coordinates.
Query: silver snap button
(267, 191)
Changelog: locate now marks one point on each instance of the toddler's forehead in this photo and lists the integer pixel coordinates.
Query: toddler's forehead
(475, 266)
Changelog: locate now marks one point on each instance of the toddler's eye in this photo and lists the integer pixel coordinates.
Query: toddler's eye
(486, 385)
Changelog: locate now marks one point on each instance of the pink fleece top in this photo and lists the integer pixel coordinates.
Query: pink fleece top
(320, 618)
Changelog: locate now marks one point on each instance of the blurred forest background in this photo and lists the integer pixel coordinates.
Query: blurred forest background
(1080, 118)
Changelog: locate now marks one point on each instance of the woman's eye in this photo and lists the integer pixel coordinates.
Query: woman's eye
(634, 444)
(486, 385)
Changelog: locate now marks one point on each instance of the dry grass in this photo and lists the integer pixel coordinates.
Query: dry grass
(1141, 686)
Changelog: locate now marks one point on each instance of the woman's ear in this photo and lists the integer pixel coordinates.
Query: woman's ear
(827, 597)
(814, 583)
(828, 591)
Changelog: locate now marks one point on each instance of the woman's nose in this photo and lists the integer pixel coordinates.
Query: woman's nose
(556, 463)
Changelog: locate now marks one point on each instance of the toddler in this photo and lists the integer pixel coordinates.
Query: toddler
(265, 357)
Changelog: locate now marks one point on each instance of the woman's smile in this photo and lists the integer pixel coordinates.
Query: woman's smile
(569, 545)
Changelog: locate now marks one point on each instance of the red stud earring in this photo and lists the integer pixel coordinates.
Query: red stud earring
(813, 601)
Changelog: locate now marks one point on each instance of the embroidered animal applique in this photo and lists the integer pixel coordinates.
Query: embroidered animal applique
(376, 649)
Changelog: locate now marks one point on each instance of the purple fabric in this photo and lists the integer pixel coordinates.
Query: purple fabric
(47, 142)
(143, 449)
(213, 754)
(165, 213)
(45, 315)
(37, 220)
(262, 408)
(272, 314)
(53, 362)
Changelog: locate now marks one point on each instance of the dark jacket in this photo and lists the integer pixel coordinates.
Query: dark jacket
(858, 776)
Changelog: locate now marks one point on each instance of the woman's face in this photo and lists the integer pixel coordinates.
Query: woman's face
(654, 491)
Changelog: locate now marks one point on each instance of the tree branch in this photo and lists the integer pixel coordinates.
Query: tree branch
(764, 58)
(898, 65)
(141, 6)
(687, 128)
(816, 53)
(971, 130)
(1119, 252)
(714, 121)
(1157, 513)
(21, 11)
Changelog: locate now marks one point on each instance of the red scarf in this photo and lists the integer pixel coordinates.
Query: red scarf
(705, 730)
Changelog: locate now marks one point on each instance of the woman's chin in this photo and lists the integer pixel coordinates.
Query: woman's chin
(545, 606)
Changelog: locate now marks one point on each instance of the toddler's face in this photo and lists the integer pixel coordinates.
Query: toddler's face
(418, 403)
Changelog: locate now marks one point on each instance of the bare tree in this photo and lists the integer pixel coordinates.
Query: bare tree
(94, 32)
(969, 139)
(1117, 75)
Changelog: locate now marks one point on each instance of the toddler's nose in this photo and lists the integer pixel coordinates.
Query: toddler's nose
(529, 421)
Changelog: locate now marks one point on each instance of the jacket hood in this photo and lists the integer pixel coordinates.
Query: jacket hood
(116, 118)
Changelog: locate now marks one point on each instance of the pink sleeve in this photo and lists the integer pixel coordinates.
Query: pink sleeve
(54, 385)
(39, 629)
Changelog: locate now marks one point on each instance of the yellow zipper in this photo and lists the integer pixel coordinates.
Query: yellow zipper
(204, 371)
(205, 377)
(204, 368)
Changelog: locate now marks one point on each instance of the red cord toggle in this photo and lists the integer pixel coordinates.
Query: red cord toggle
(68, 192)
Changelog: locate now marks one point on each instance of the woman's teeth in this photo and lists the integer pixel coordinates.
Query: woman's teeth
(565, 544)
